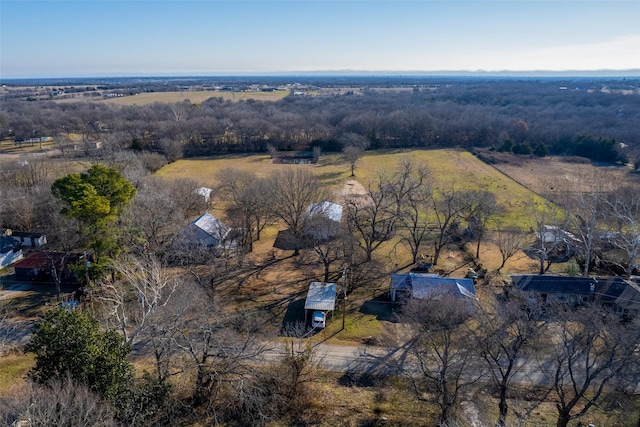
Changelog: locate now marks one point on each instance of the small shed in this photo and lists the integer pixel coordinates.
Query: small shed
(320, 297)
(205, 192)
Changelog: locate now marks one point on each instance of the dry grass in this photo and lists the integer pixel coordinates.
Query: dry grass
(13, 368)
(552, 177)
(8, 146)
(448, 168)
(194, 97)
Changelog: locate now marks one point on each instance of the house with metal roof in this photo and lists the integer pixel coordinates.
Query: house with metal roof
(620, 294)
(430, 286)
(323, 220)
(208, 231)
(559, 288)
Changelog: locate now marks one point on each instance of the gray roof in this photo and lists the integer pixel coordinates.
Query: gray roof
(548, 284)
(328, 209)
(321, 296)
(629, 298)
(211, 225)
(430, 285)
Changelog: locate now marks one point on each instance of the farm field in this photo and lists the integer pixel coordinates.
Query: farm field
(449, 168)
(553, 176)
(195, 97)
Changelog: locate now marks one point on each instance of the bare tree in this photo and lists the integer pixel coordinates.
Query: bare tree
(250, 209)
(478, 208)
(292, 191)
(509, 242)
(624, 213)
(328, 237)
(588, 212)
(144, 288)
(587, 217)
(219, 350)
(505, 336)
(352, 154)
(155, 217)
(61, 403)
(413, 194)
(552, 241)
(446, 211)
(590, 349)
(9, 327)
(440, 345)
(371, 218)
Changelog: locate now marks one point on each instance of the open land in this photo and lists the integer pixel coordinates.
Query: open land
(194, 97)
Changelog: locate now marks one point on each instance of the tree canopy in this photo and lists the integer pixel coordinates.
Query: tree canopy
(70, 343)
(94, 197)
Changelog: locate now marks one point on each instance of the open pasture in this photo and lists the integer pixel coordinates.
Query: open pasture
(194, 97)
(551, 177)
(448, 168)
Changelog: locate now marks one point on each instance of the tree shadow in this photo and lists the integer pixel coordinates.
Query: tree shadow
(381, 307)
(294, 316)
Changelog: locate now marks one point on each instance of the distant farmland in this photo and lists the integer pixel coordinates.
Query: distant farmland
(195, 97)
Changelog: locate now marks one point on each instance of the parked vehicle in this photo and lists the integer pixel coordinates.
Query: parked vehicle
(319, 319)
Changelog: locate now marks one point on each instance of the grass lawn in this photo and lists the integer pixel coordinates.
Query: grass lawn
(13, 368)
(282, 285)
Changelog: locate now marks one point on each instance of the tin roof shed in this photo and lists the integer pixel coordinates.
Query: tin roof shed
(321, 297)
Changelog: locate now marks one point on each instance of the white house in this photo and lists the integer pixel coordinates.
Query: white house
(208, 231)
(29, 239)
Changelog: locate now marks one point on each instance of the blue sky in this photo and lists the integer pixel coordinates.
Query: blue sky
(214, 37)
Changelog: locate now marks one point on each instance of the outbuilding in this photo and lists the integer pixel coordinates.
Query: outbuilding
(320, 297)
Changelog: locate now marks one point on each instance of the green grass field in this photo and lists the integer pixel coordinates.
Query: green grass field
(448, 167)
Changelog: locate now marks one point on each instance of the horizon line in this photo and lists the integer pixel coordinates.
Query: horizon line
(633, 72)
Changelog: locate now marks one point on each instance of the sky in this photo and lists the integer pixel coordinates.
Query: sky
(103, 38)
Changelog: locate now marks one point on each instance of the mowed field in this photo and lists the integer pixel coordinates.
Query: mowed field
(449, 168)
(194, 97)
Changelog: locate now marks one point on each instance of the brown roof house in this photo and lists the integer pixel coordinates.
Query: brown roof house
(46, 267)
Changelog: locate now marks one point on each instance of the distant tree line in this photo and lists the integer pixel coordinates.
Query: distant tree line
(523, 117)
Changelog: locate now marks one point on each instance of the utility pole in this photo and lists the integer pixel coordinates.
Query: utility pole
(344, 295)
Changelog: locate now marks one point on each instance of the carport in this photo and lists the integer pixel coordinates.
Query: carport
(321, 297)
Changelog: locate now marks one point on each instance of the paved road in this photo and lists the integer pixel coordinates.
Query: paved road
(375, 360)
